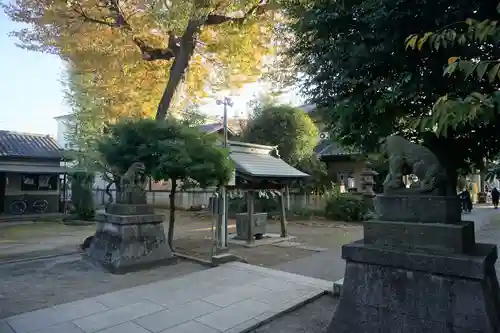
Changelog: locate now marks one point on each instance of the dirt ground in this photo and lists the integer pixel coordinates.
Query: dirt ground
(326, 235)
(192, 237)
(32, 285)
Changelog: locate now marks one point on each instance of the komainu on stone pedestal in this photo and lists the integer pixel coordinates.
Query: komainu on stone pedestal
(128, 238)
(133, 185)
(408, 158)
(129, 235)
(412, 273)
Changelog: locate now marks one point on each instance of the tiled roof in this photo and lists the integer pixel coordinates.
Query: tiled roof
(215, 127)
(210, 128)
(308, 108)
(16, 144)
(264, 165)
(331, 148)
(327, 147)
(255, 160)
(70, 116)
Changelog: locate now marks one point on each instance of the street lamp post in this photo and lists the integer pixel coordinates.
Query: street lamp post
(222, 225)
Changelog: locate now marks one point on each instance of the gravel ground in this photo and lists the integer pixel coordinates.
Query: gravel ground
(32, 285)
(313, 317)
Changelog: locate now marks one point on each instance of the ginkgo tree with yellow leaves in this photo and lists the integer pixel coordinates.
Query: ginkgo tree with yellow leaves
(142, 52)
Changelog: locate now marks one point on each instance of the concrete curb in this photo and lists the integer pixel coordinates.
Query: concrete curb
(39, 257)
(48, 256)
(337, 287)
(195, 259)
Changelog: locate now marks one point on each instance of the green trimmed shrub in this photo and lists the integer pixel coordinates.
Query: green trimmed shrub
(346, 207)
(81, 195)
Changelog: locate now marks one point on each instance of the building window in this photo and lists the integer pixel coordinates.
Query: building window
(32, 182)
(29, 182)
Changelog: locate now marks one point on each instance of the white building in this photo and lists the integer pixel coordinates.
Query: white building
(63, 126)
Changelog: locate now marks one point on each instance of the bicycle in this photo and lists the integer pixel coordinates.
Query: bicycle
(18, 207)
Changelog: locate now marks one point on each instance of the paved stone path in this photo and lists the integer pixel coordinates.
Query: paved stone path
(229, 298)
(329, 265)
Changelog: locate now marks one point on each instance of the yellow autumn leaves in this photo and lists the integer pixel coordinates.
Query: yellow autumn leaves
(227, 55)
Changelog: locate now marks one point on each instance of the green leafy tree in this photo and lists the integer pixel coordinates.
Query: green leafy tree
(296, 136)
(261, 101)
(355, 65)
(169, 150)
(287, 127)
(319, 181)
(454, 110)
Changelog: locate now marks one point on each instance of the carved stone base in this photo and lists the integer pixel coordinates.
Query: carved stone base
(418, 208)
(124, 243)
(441, 237)
(125, 209)
(388, 291)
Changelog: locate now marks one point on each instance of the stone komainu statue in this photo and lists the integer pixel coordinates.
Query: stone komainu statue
(409, 158)
(132, 185)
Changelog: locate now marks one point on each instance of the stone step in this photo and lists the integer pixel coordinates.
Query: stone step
(337, 287)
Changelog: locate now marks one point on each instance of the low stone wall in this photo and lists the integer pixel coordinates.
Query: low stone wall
(197, 198)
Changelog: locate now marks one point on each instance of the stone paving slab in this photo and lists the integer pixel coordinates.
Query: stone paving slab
(229, 299)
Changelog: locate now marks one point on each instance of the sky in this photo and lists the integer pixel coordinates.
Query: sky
(32, 93)
(30, 87)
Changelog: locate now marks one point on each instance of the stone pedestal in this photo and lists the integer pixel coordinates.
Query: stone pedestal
(418, 277)
(418, 208)
(128, 238)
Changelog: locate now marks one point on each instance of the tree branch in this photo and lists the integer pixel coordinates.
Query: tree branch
(86, 18)
(216, 19)
(117, 18)
(150, 54)
(119, 21)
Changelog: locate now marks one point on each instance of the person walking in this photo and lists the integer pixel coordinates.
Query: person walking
(495, 196)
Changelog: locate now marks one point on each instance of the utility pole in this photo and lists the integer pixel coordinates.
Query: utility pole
(222, 225)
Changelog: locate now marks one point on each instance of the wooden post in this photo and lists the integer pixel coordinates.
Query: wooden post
(281, 199)
(287, 197)
(250, 209)
(65, 193)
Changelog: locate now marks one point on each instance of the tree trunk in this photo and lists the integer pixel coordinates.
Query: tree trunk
(108, 193)
(171, 221)
(281, 199)
(441, 147)
(178, 69)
